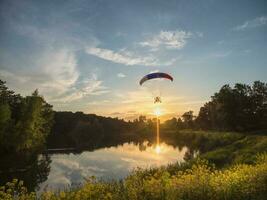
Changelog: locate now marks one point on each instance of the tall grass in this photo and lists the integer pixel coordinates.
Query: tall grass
(200, 181)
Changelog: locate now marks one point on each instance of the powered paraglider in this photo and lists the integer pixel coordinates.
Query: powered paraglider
(156, 75)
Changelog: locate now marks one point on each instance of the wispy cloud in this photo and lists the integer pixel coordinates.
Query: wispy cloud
(220, 54)
(168, 39)
(99, 102)
(127, 57)
(52, 67)
(91, 86)
(11, 77)
(133, 97)
(121, 75)
(55, 72)
(116, 113)
(56, 79)
(259, 21)
(61, 71)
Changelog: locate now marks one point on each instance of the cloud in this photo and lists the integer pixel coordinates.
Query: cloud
(131, 111)
(121, 75)
(91, 86)
(56, 28)
(126, 57)
(200, 34)
(259, 21)
(54, 72)
(168, 39)
(120, 34)
(99, 102)
(220, 54)
(60, 68)
(165, 39)
(133, 97)
(57, 81)
(50, 62)
(6, 75)
(116, 113)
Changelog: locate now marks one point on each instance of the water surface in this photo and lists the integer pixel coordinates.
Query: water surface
(108, 163)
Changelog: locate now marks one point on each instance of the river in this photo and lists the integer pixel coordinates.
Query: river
(65, 168)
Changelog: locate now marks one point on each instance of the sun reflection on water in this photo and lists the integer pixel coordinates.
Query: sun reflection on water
(158, 149)
(108, 163)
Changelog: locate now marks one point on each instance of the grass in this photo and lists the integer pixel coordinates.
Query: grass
(241, 150)
(232, 166)
(222, 148)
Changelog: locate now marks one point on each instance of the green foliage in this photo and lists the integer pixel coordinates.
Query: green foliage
(5, 120)
(242, 174)
(241, 108)
(243, 150)
(221, 148)
(82, 131)
(25, 121)
(15, 190)
(200, 181)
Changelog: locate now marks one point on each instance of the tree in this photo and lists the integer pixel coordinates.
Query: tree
(259, 104)
(171, 123)
(5, 120)
(25, 121)
(180, 124)
(241, 108)
(188, 118)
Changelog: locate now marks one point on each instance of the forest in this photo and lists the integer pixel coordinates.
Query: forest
(229, 134)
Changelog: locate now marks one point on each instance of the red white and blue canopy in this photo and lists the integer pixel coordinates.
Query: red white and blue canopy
(155, 75)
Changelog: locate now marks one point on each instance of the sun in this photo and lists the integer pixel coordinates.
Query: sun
(158, 149)
(157, 111)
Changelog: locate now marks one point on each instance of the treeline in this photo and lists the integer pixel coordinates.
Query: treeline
(241, 108)
(25, 122)
(29, 123)
(81, 130)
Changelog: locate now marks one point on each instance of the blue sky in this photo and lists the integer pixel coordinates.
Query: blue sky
(89, 55)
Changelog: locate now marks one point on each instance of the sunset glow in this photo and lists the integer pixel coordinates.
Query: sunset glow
(157, 111)
(122, 99)
(158, 149)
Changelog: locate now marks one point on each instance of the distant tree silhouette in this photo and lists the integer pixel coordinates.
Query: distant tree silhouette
(171, 123)
(180, 124)
(188, 119)
(82, 130)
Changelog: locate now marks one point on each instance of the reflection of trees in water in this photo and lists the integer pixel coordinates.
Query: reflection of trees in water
(33, 169)
(190, 154)
(142, 146)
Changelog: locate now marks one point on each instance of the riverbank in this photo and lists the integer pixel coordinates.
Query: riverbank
(229, 166)
(221, 148)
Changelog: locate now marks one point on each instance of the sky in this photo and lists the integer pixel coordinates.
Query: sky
(89, 56)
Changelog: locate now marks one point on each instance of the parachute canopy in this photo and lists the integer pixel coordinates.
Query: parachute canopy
(155, 75)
